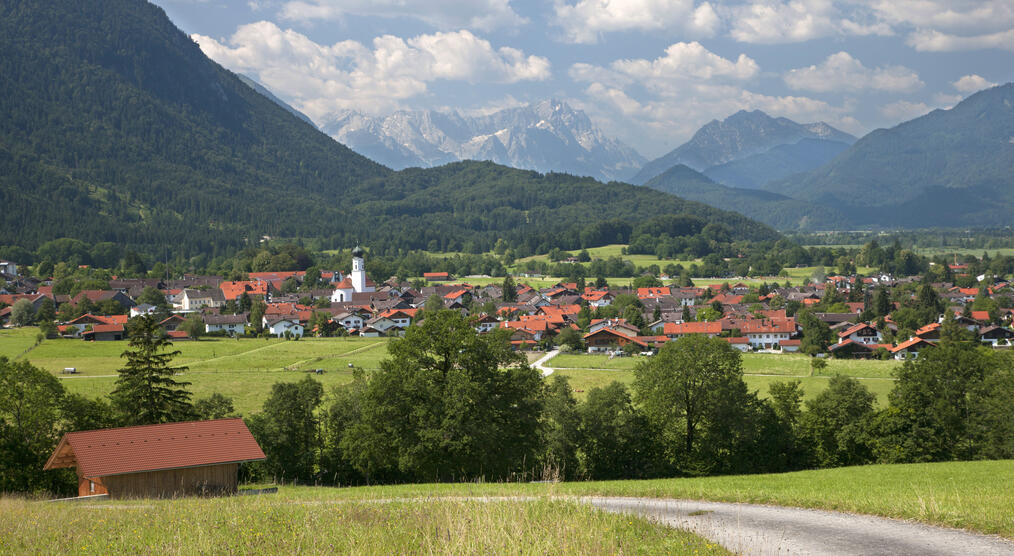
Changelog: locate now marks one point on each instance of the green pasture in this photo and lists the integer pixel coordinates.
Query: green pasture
(309, 521)
(587, 371)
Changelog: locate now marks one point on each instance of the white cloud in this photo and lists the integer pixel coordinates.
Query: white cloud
(656, 104)
(769, 21)
(972, 17)
(319, 79)
(586, 20)
(485, 15)
(972, 83)
(904, 110)
(842, 72)
(682, 62)
(936, 41)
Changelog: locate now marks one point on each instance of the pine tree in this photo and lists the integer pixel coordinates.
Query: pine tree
(146, 392)
(510, 292)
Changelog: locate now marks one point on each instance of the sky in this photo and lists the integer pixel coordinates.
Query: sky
(647, 72)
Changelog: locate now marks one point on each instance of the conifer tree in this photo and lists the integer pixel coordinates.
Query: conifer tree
(146, 392)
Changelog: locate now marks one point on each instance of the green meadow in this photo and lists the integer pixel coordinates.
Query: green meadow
(243, 369)
(587, 371)
(481, 518)
(323, 521)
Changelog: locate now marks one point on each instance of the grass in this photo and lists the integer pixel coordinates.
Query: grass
(243, 369)
(969, 495)
(759, 371)
(321, 521)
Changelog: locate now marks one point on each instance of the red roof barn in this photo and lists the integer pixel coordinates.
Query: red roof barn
(158, 461)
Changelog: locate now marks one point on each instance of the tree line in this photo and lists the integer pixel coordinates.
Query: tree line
(449, 404)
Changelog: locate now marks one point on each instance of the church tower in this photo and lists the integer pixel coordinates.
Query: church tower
(359, 271)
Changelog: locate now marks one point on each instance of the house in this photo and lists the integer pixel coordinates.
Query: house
(852, 349)
(674, 330)
(861, 333)
(100, 296)
(618, 325)
(597, 298)
(436, 276)
(195, 300)
(349, 321)
(278, 326)
(158, 461)
(105, 333)
(645, 293)
(142, 309)
(9, 268)
(910, 349)
(485, 323)
(767, 333)
(995, 336)
(171, 323)
(606, 339)
(230, 324)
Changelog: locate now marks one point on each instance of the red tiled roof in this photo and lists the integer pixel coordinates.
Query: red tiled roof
(912, 342)
(100, 453)
(673, 329)
(644, 293)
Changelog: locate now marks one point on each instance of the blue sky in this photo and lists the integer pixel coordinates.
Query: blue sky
(648, 72)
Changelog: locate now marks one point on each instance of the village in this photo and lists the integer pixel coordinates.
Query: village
(845, 316)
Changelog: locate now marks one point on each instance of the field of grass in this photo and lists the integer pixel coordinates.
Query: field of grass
(970, 495)
(759, 371)
(320, 521)
(243, 369)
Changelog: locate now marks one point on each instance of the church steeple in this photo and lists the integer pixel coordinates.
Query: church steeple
(358, 270)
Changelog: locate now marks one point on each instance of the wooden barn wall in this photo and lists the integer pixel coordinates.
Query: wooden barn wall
(211, 479)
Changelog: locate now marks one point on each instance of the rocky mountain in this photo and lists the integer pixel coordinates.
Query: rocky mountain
(740, 135)
(948, 168)
(549, 136)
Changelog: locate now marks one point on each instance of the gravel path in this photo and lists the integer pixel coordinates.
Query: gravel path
(756, 529)
(541, 363)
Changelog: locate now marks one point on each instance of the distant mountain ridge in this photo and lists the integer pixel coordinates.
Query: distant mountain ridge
(548, 136)
(740, 135)
(780, 162)
(947, 168)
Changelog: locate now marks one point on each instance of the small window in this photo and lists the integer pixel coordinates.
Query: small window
(91, 487)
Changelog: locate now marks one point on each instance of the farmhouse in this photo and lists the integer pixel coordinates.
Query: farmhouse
(158, 461)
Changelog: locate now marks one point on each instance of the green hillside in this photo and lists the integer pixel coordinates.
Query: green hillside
(948, 168)
(114, 127)
(769, 207)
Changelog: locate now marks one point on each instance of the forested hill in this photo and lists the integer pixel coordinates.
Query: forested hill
(114, 127)
(948, 168)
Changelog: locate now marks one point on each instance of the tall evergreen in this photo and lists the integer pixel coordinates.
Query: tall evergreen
(146, 392)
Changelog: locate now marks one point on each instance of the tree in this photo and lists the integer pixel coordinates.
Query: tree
(257, 314)
(145, 391)
(569, 337)
(22, 312)
(448, 403)
(693, 392)
(434, 304)
(46, 312)
(215, 406)
(817, 335)
(834, 424)
(510, 291)
(193, 326)
(29, 426)
(560, 431)
(616, 440)
(288, 430)
(152, 297)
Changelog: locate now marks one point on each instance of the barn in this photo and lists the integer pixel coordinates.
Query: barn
(158, 461)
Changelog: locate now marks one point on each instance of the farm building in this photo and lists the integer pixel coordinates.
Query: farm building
(158, 461)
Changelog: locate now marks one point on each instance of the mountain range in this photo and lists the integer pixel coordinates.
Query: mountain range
(948, 168)
(739, 136)
(116, 128)
(548, 136)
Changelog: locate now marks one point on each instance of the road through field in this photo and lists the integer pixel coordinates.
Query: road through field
(762, 530)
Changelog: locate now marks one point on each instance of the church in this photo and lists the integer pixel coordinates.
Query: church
(356, 282)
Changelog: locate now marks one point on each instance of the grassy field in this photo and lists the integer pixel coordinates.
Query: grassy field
(243, 369)
(970, 495)
(320, 521)
(760, 370)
